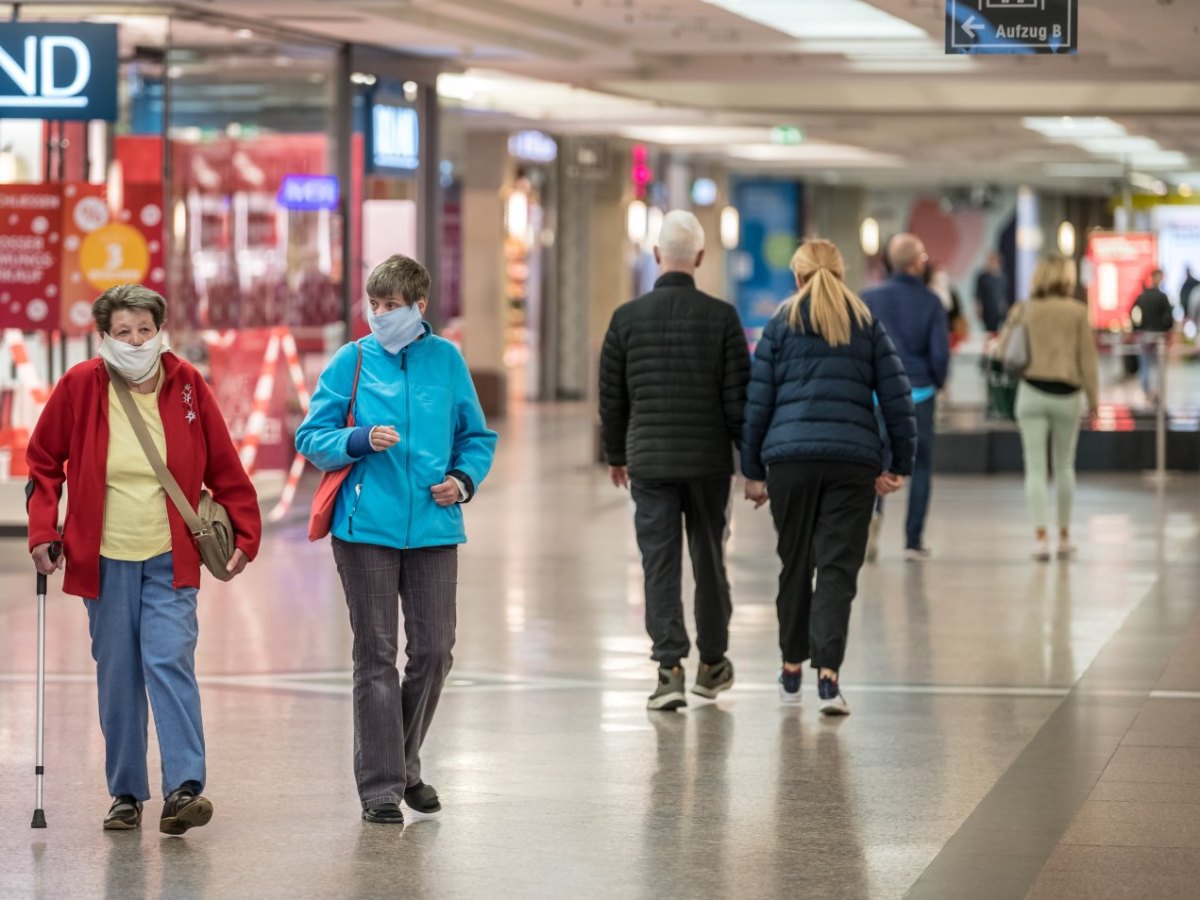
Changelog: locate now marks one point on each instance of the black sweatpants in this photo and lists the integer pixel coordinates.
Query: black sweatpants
(659, 506)
(822, 513)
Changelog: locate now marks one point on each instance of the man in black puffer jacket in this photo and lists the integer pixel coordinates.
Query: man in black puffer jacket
(673, 376)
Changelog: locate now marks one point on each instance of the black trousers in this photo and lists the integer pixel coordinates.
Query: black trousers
(822, 513)
(703, 505)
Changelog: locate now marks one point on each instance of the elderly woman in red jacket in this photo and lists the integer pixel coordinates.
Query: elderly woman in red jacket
(127, 550)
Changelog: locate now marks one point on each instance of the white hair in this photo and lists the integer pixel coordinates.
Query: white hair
(681, 238)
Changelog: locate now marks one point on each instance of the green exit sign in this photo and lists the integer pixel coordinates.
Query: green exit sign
(786, 135)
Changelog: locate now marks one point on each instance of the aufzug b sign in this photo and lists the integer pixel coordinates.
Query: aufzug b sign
(52, 71)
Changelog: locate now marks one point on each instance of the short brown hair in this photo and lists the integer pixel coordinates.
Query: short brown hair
(127, 296)
(399, 275)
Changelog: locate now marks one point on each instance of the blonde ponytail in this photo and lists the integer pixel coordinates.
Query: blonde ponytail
(834, 309)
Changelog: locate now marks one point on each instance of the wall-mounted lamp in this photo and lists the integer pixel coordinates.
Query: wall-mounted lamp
(637, 221)
(731, 227)
(516, 214)
(868, 236)
(654, 223)
(1066, 239)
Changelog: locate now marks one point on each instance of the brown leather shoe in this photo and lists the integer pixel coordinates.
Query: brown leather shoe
(183, 810)
(125, 814)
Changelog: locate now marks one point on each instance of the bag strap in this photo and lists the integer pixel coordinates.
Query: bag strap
(354, 390)
(194, 523)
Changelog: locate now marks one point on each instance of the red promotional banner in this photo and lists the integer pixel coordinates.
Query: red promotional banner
(235, 366)
(1120, 264)
(30, 223)
(101, 250)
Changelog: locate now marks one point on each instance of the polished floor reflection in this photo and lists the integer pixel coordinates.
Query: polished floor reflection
(1017, 730)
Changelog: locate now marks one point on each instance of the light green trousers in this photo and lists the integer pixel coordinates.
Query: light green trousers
(1049, 419)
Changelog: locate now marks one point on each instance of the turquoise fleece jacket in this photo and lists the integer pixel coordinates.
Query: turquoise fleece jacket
(426, 394)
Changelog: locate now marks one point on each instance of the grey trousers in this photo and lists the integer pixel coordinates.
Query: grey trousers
(392, 717)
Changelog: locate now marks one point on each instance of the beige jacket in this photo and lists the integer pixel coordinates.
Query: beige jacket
(1062, 346)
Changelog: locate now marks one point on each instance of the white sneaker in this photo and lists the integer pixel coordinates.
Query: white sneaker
(919, 554)
(832, 701)
(1041, 550)
(1067, 550)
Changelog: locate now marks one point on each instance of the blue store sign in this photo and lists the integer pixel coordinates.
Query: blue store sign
(771, 212)
(51, 71)
(309, 192)
(395, 138)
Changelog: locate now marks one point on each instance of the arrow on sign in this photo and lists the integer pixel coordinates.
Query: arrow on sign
(969, 27)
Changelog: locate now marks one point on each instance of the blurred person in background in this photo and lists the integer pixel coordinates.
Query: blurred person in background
(1062, 372)
(128, 550)
(937, 279)
(991, 294)
(673, 374)
(1152, 317)
(811, 447)
(917, 324)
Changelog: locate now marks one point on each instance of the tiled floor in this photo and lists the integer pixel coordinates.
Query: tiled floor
(1018, 730)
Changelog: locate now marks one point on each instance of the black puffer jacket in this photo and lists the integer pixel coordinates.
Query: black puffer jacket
(808, 400)
(673, 376)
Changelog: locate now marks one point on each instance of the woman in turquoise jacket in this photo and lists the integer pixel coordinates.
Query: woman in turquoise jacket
(420, 450)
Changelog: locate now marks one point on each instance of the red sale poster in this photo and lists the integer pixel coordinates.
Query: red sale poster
(30, 224)
(101, 250)
(1120, 265)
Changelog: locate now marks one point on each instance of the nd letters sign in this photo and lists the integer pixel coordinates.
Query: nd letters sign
(51, 71)
(1012, 26)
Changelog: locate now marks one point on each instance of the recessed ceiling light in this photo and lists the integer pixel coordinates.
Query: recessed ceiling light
(823, 19)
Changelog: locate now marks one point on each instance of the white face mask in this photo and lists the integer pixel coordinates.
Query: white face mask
(137, 364)
(397, 329)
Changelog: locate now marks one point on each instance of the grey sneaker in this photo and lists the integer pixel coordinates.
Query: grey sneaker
(669, 694)
(711, 680)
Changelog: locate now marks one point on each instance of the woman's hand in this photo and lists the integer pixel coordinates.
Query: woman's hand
(888, 483)
(42, 561)
(756, 491)
(384, 437)
(237, 563)
(446, 493)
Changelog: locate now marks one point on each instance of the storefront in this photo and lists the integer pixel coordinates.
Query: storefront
(251, 175)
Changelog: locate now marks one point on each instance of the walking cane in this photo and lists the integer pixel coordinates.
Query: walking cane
(39, 769)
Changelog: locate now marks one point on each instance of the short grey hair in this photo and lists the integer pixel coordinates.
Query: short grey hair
(681, 238)
(127, 296)
(399, 275)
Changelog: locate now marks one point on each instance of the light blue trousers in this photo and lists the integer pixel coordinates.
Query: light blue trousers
(144, 641)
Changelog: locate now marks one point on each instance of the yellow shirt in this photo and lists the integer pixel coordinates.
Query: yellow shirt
(135, 504)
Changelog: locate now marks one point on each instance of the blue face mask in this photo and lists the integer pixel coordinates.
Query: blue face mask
(397, 329)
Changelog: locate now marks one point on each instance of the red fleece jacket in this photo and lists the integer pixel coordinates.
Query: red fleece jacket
(71, 442)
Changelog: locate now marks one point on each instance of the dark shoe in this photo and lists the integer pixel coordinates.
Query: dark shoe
(384, 814)
(125, 814)
(669, 693)
(183, 810)
(422, 798)
(789, 685)
(832, 701)
(711, 680)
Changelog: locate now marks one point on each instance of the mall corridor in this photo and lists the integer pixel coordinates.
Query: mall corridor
(1018, 730)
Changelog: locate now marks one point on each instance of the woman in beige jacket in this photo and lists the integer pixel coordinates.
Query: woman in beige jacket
(1062, 366)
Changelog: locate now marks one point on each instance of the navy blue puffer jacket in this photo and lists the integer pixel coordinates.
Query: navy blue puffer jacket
(808, 400)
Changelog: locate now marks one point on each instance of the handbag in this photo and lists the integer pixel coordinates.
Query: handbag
(1015, 353)
(320, 518)
(209, 524)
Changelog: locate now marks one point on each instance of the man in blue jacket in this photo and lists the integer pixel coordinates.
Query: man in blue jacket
(916, 322)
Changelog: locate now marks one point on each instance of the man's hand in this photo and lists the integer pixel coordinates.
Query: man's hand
(888, 483)
(446, 493)
(42, 561)
(384, 437)
(756, 491)
(619, 476)
(237, 563)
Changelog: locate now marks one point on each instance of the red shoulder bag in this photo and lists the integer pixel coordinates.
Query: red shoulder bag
(320, 519)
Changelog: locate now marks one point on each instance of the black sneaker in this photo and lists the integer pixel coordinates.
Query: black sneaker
(125, 814)
(832, 701)
(184, 809)
(384, 814)
(789, 685)
(422, 798)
